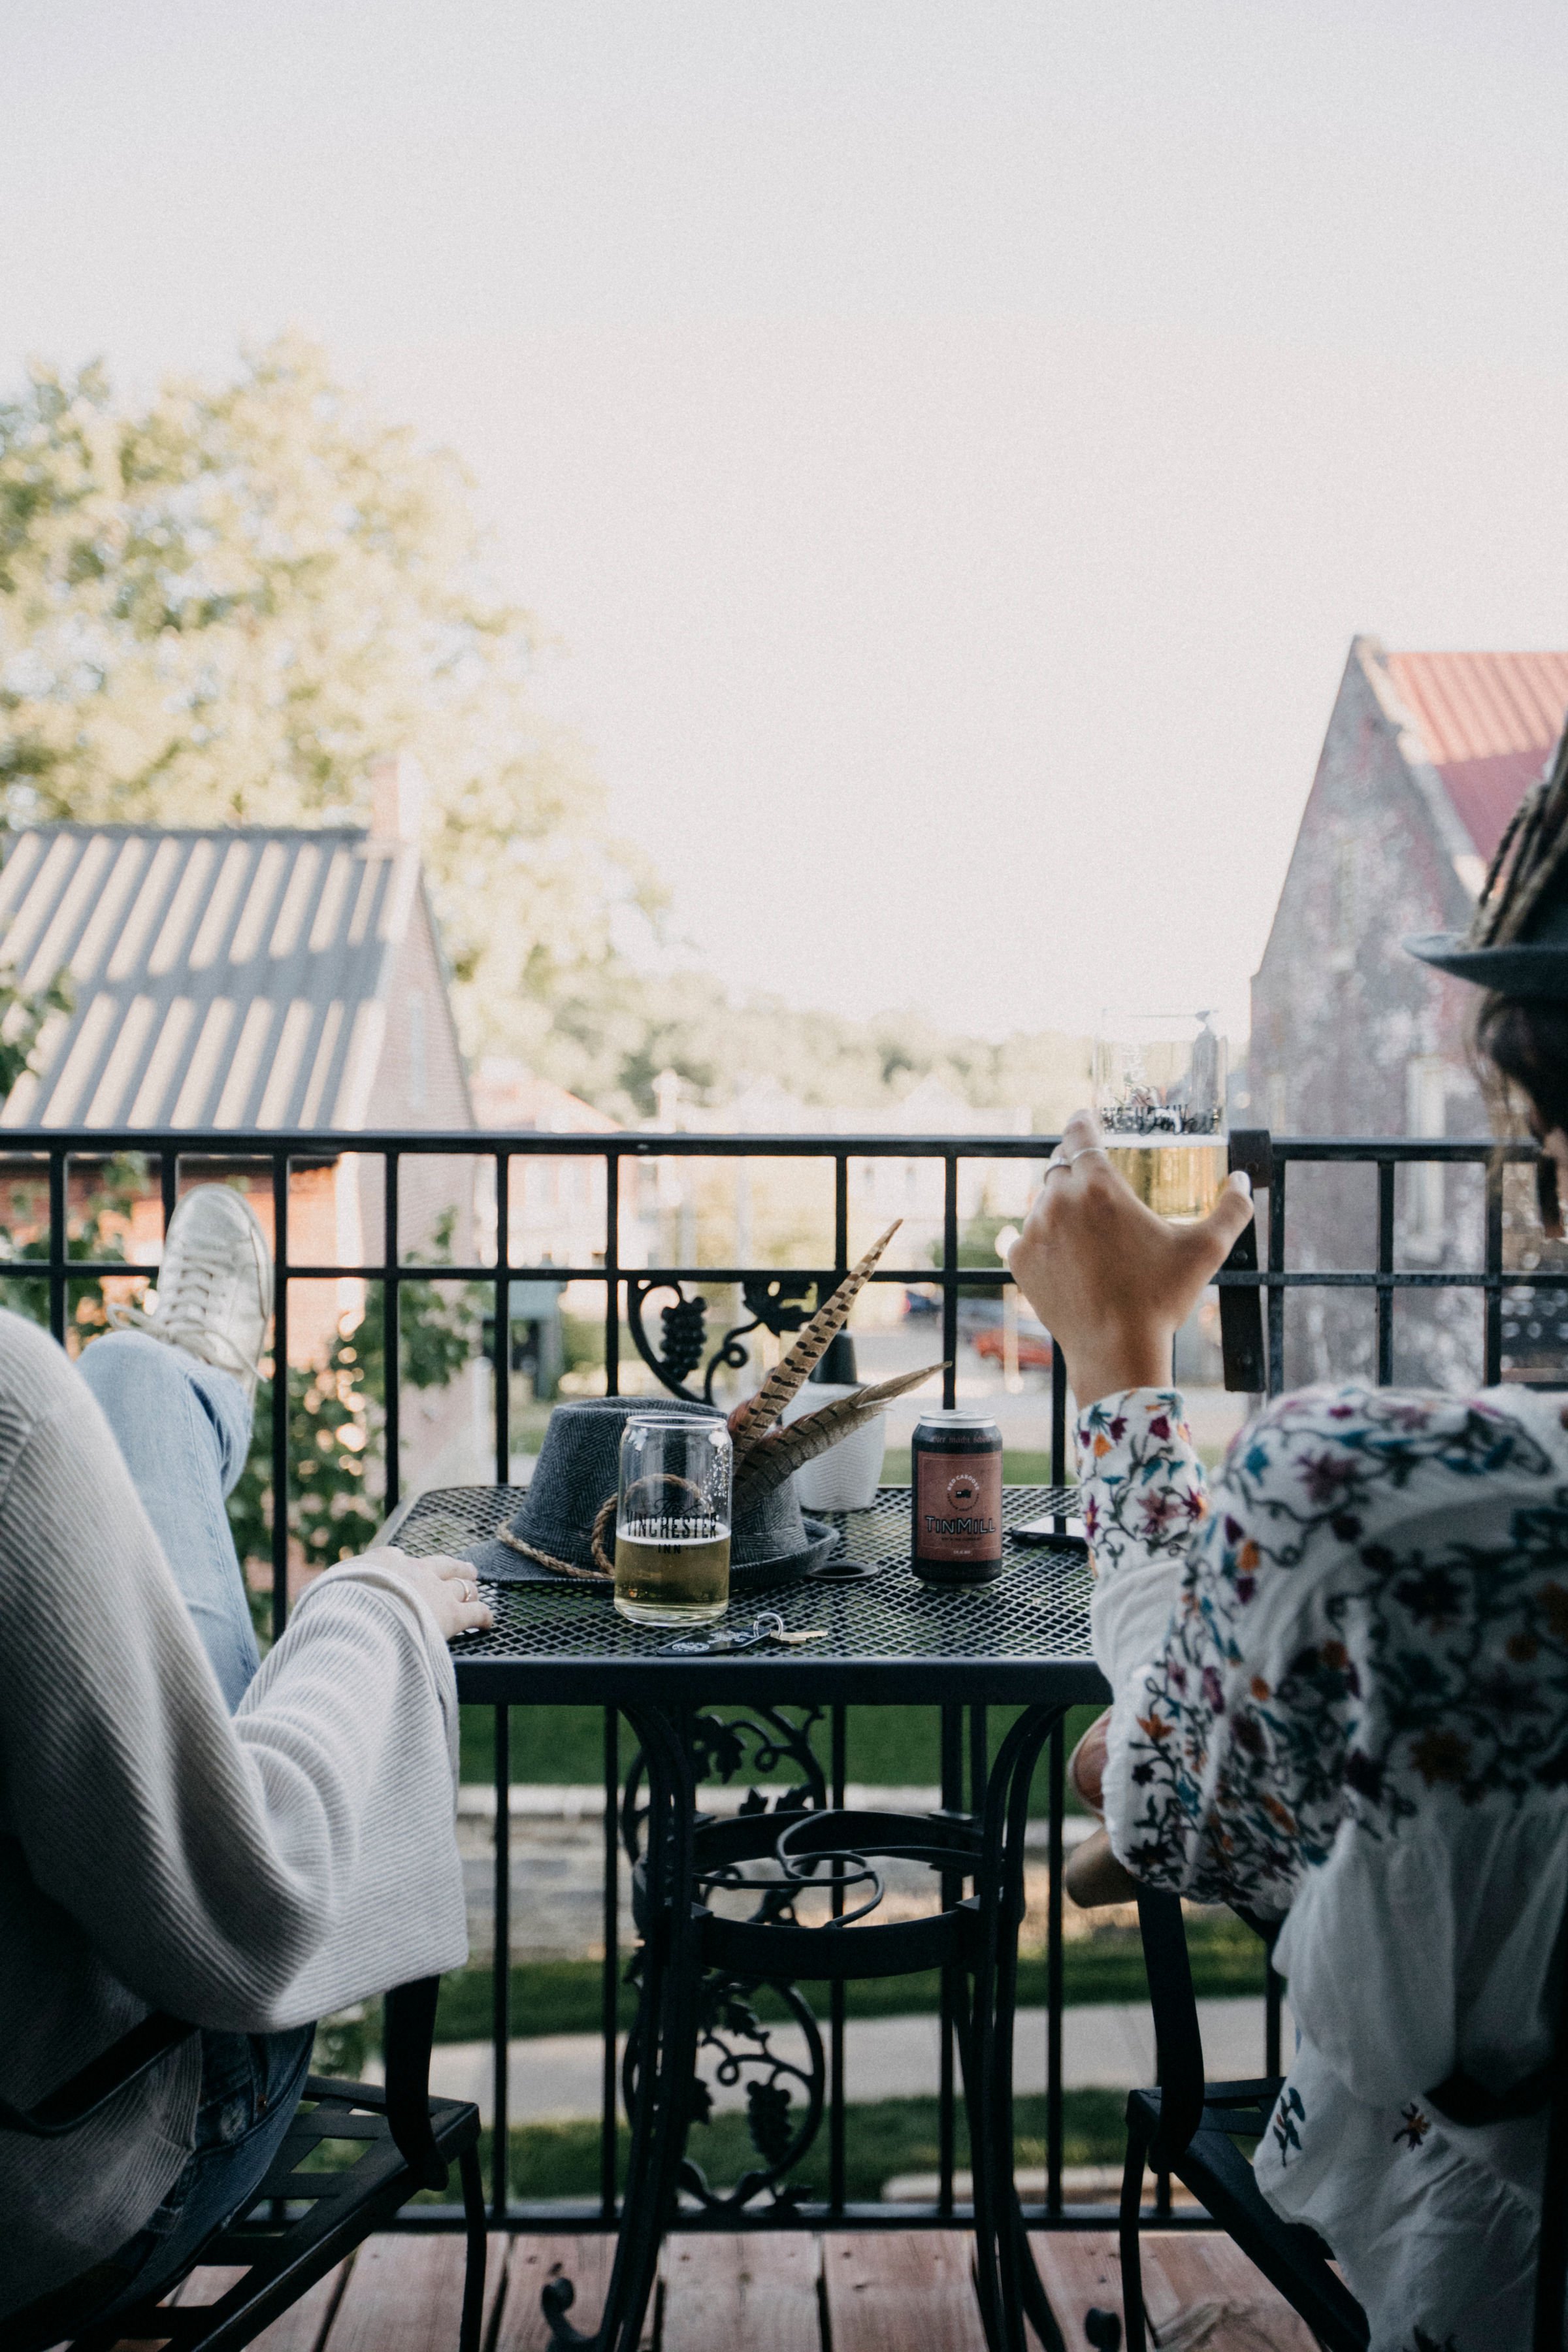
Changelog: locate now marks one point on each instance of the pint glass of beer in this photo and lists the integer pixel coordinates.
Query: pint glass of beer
(672, 1519)
(1159, 1096)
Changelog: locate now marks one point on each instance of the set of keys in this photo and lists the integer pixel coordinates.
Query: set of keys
(767, 1627)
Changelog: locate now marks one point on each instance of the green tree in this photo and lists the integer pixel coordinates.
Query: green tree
(93, 1234)
(224, 603)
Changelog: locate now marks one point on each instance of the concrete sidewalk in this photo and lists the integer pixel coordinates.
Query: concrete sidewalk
(1109, 2044)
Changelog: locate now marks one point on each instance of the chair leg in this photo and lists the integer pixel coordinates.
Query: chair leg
(1132, 2257)
(474, 2273)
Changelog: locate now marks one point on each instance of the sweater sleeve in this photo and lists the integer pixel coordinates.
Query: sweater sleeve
(245, 1874)
(1175, 1575)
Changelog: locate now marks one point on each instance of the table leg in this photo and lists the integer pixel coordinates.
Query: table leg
(666, 2054)
(1006, 2279)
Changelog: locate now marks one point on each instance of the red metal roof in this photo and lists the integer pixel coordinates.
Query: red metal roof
(1487, 721)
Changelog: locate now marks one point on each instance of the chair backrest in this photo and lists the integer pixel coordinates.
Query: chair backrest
(1178, 2043)
(72, 2103)
(408, 2029)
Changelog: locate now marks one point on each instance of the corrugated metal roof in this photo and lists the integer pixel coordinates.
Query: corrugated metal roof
(225, 979)
(1488, 721)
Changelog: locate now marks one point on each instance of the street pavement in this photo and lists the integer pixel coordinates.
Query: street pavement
(1109, 2044)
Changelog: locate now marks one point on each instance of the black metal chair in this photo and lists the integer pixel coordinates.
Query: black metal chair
(1189, 2127)
(314, 2206)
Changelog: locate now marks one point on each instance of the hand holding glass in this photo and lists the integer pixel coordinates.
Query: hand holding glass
(672, 1519)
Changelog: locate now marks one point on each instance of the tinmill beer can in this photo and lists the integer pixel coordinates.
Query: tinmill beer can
(955, 1494)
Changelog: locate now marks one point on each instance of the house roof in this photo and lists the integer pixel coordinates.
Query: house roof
(1487, 722)
(509, 1097)
(227, 978)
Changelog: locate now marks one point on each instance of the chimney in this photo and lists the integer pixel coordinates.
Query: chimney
(396, 798)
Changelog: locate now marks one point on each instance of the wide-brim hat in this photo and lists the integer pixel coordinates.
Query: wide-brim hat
(1525, 898)
(579, 1467)
(1534, 966)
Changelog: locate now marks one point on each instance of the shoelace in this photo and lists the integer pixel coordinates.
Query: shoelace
(186, 1325)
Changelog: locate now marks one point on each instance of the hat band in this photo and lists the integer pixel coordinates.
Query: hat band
(606, 1566)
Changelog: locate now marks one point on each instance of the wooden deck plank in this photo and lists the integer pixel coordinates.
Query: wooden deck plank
(300, 2328)
(1080, 2273)
(1206, 2270)
(585, 2261)
(405, 2293)
(758, 2289)
(897, 2288)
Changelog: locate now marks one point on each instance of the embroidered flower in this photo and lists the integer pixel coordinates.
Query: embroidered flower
(1440, 1756)
(1414, 2128)
(1432, 1596)
(1553, 1601)
(1287, 2116)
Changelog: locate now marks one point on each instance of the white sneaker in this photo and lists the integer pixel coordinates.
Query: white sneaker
(214, 1286)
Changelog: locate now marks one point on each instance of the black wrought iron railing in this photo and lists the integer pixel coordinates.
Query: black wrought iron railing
(56, 1171)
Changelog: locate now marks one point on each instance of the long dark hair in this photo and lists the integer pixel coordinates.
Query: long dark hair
(1522, 1043)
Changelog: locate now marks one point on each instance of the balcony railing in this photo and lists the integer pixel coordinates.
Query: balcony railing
(685, 1355)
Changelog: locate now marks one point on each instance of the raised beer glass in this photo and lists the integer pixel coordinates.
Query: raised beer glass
(1159, 1096)
(672, 1519)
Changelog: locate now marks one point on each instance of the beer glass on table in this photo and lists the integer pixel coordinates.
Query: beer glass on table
(672, 1519)
(1159, 1096)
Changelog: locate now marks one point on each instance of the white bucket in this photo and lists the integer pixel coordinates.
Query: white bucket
(847, 1477)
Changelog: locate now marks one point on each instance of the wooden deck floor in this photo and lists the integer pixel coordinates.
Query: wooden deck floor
(891, 2292)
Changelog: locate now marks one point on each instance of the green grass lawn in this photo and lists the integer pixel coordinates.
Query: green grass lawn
(882, 2138)
(563, 1995)
(890, 1746)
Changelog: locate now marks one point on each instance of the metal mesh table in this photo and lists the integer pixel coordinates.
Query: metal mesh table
(1022, 1638)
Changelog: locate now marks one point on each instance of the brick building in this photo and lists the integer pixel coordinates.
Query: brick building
(1425, 760)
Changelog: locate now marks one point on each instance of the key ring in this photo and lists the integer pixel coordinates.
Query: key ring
(766, 1626)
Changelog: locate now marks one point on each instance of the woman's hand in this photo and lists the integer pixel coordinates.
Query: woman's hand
(447, 1587)
(1108, 1279)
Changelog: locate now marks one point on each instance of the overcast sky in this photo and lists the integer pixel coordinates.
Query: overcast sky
(953, 442)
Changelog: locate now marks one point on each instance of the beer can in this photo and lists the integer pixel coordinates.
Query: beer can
(955, 1498)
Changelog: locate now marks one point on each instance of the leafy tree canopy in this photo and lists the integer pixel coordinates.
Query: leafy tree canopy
(224, 604)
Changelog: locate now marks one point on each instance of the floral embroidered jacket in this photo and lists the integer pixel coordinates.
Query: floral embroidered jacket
(1340, 1691)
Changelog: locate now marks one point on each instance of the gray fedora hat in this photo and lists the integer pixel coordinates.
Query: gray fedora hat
(579, 1466)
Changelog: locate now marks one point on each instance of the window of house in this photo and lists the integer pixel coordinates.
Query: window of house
(416, 1070)
(1426, 1113)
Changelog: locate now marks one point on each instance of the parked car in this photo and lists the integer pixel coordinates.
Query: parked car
(1034, 1346)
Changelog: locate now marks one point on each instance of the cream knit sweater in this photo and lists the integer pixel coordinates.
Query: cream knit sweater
(247, 1875)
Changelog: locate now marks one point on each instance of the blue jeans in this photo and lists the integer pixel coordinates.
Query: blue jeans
(183, 1429)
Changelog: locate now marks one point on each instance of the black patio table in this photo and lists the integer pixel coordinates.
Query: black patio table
(1019, 1642)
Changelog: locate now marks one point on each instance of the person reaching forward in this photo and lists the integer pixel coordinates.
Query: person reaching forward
(244, 1846)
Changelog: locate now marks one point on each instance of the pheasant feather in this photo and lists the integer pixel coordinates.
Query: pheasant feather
(774, 1457)
(751, 1420)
